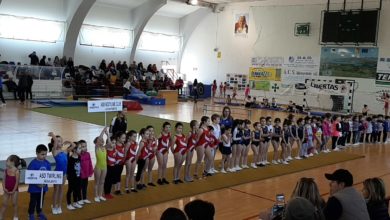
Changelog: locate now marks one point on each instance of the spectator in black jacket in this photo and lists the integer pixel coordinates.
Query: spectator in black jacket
(42, 62)
(374, 193)
(22, 87)
(30, 82)
(34, 60)
(119, 123)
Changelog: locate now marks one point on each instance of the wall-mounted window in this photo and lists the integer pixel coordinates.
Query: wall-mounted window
(159, 42)
(99, 36)
(32, 29)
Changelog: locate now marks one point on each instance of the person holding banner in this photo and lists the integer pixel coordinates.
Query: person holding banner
(37, 191)
(11, 183)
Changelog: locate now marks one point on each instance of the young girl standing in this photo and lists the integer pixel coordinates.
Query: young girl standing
(11, 184)
(179, 151)
(294, 134)
(111, 161)
(221, 90)
(308, 145)
(301, 136)
(86, 170)
(246, 144)
(256, 144)
(214, 88)
(143, 157)
(336, 132)
(237, 145)
(202, 141)
(100, 170)
(61, 157)
(152, 145)
(286, 135)
(162, 153)
(74, 180)
(119, 161)
(264, 143)
(191, 144)
(226, 149)
(130, 161)
(247, 91)
(277, 135)
(326, 132)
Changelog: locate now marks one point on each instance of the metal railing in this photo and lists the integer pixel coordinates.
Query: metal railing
(37, 72)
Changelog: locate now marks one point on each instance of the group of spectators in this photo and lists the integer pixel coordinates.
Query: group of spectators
(22, 90)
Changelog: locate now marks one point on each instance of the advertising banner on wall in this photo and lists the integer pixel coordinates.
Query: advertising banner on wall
(273, 62)
(327, 87)
(241, 23)
(383, 72)
(357, 62)
(260, 85)
(261, 74)
(298, 68)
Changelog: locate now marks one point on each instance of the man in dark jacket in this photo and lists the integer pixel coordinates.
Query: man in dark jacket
(22, 86)
(30, 82)
(34, 60)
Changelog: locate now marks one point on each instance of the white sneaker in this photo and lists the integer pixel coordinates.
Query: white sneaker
(211, 171)
(245, 166)
(59, 210)
(215, 171)
(15, 218)
(266, 162)
(77, 205)
(223, 171)
(97, 199)
(279, 161)
(336, 149)
(316, 152)
(54, 210)
(275, 162)
(237, 168)
(298, 158)
(81, 202)
(285, 162)
(86, 201)
(102, 198)
(70, 207)
(253, 165)
(328, 151)
(289, 158)
(311, 154)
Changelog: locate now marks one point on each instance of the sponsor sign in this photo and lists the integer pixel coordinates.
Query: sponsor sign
(261, 74)
(383, 72)
(261, 85)
(43, 177)
(321, 87)
(302, 62)
(107, 105)
(273, 62)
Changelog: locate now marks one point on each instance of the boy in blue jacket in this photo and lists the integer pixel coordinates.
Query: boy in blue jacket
(39, 163)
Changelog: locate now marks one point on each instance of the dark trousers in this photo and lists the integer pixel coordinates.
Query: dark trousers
(22, 94)
(141, 164)
(35, 203)
(84, 188)
(334, 142)
(29, 92)
(348, 137)
(108, 181)
(1, 96)
(384, 136)
(368, 137)
(355, 137)
(342, 139)
(74, 187)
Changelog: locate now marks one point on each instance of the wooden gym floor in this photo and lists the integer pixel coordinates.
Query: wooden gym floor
(21, 130)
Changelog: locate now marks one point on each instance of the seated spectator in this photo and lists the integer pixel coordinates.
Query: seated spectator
(111, 65)
(345, 202)
(149, 68)
(265, 103)
(306, 189)
(228, 100)
(273, 103)
(12, 86)
(49, 62)
(291, 106)
(248, 102)
(124, 66)
(173, 214)
(119, 65)
(374, 193)
(103, 65)
(154, 69)
(199, 210)
(42, 62)
(179, 85)
(300, 208)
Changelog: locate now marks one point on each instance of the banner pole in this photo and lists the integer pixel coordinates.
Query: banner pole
(41, 197)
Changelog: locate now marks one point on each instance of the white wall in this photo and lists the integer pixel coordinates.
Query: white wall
(271, 33)
(18, 50)
(163, 25)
